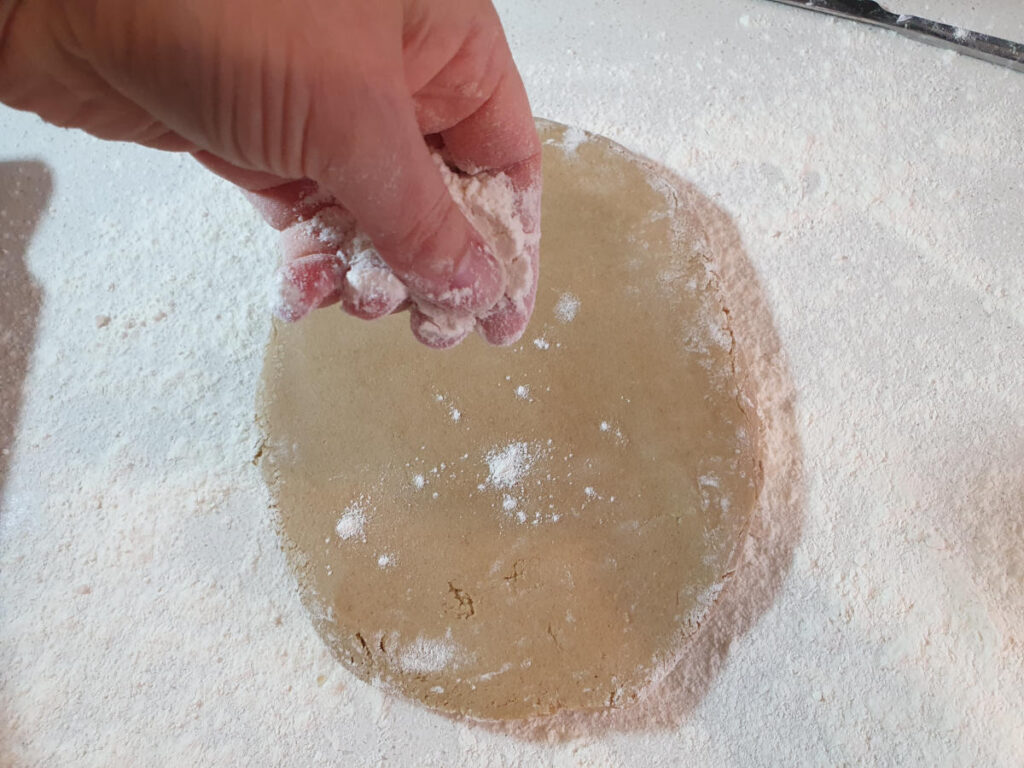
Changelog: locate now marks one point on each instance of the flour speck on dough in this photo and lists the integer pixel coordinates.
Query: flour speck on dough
(350, 524)
(508, 466)
(567, 307)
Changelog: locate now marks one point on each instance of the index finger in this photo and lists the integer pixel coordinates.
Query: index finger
(501, 137)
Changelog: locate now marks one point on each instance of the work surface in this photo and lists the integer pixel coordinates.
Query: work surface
(147, 616)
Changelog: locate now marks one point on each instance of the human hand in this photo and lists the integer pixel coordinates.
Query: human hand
(319, 109)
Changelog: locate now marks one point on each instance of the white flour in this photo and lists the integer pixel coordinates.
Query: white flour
(507, 467)
(350, 525)
(147, 616)
(567, 307)
(428, 655)
(370, 279)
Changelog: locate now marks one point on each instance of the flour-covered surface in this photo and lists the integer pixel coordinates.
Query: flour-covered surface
(147, 616)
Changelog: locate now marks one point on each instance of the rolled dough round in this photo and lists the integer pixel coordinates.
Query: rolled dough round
(505, 533)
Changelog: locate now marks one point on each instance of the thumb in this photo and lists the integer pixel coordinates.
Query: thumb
(390, 182)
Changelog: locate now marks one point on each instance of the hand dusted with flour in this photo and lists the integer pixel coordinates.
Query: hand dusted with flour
(321, 108)
(329, 259)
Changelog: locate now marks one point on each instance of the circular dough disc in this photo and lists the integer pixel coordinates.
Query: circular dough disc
(505, 533)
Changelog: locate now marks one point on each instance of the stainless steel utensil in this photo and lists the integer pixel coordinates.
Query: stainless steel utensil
(994, 50)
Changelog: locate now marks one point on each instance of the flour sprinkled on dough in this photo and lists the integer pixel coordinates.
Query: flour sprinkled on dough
(508, 466)
(427, 655)
(567, 307)
(350, 524)
(572, 139)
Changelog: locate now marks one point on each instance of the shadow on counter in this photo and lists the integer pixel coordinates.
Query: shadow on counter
(25, 187)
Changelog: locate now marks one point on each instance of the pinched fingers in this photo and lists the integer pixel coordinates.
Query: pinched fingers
(331, 243)
(501, 138)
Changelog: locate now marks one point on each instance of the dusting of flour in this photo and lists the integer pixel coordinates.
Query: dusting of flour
(567, 307)
(508, 466)
(427, 655)
(350, 524)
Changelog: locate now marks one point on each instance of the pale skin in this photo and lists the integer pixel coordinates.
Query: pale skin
(306, 105)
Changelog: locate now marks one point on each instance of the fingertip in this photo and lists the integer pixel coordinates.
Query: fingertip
(506, 324)
(307, 284)
(439, 331)
(372, 292)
